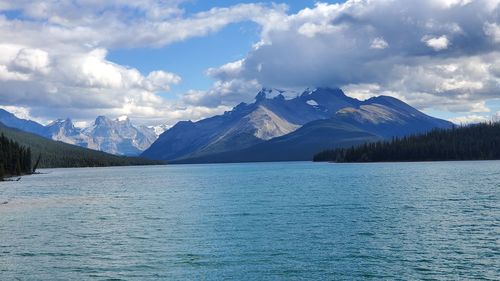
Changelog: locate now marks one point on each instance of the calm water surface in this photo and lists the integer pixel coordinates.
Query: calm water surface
(265, 221)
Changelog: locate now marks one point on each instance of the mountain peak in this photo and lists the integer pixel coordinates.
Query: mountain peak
(323, 91)
(319, 118)
(269, 93)
(61, 122)
(279, 97)
(102, 120)
(261, 95)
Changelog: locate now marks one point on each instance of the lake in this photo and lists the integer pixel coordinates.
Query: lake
(257, 221)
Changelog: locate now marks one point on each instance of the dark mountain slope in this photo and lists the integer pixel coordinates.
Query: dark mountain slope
(276, 129)
(299, 145)
(9, 119)
(270, 116)
(381, 118)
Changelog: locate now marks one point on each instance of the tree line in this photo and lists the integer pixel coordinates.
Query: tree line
(15, 159)
(473, 142)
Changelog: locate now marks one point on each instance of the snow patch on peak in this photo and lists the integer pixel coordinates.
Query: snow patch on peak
(308, 92)
(312, 103)
(60, 121)
(122, 118)
(272, 93)
(116, 136)
(159, 129)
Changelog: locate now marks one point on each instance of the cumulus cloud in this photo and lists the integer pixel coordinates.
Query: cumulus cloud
(475, 118)
(493, 31)
(379, 43)
(433, 54)
(469, 119)
(441, 54)
(53, 57)
(224, 93)
(124, 23)
(31, 60)
(436, 43)
(80, 80)
(451, 3)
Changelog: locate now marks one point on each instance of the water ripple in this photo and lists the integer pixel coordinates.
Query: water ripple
(263, 221)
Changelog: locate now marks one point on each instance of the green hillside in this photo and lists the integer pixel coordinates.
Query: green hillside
(58, 154)
(474, 142)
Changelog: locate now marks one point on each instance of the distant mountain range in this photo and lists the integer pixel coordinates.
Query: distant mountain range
(117, 136)
(55, 154)
(274, 128)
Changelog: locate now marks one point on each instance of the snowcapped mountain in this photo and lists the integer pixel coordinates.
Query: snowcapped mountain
(276, 128)
(278, 125)
(159, 129)
(117, 136)
(64, 130)
(270, 116)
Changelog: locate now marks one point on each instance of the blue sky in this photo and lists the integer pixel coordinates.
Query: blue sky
(163, 61)
(191, 58)
(195, 6)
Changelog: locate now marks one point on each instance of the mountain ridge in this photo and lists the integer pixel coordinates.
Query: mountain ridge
(297, 128)
(57, 154)
(118, 136)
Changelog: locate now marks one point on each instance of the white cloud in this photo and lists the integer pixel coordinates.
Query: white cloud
(379, 43)
(161, 80)
(493, 31)
(310, 29)
(20, 112)
(436, 43)
(469, 119)
(125, 23)
(6, 75)
(81, 85)
(441, 53)
(224, 93)
(228, 70)
(31, 60)
(451, 3)
(53, 59)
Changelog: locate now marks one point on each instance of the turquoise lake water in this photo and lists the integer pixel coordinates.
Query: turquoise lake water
(259, 221)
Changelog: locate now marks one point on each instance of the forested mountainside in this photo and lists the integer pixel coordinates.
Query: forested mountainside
(473, 142)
